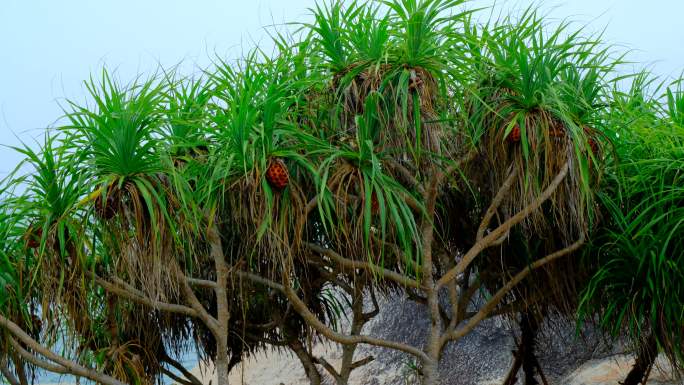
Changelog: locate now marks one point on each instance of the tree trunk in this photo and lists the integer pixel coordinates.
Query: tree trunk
(221, 362)
(433, 348)
(431, 373)
(113, 327)
(222, 306)
(512, 377)
(358, 320)
(648, 351)
(348, 350)
(347, 361)
(528, 328)
(434, 344)
(307, 362)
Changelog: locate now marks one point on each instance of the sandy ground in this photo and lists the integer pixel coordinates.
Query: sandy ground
(282, 368)
(278, 368)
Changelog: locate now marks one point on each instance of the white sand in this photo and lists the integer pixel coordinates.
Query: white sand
(283, 368)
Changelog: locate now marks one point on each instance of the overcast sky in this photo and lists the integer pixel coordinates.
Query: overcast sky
(48, 47)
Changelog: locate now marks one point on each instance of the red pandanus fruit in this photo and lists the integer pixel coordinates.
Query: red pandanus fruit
(277, 175)
(33, 236)
(514, 135)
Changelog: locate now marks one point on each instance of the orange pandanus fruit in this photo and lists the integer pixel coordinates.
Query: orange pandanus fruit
(277, 175)
(514, 135)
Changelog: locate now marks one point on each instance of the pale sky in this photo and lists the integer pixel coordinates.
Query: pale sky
(48, 47)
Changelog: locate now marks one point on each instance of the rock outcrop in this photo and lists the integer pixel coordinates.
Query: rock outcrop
(481, 358)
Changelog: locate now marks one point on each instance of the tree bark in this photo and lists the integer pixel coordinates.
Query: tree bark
(512, 377)
(528, 328)
(221, 363)
(434, 343)
(430, 372)
(307, 361)
(359, 318)
(648, 351)
(222, 360)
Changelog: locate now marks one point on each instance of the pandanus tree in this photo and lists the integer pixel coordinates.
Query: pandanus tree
(390, 147)
(537, 106)
(637, 287)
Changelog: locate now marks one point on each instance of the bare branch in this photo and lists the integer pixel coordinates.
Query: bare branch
(124, 290)
(201, 282)
(310, 206)
(496, 202)
(332, 335)
(362, 362)
(71, 367)
(376, 308)
(176, 378)
(349, 263)
(460, 162)
(497, 233)
(406, 174)
(498, 297)
(38, 362)
(178, 366)
(327, 366)
(200, 311)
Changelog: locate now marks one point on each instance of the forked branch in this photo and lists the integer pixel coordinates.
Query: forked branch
(496, 202)
(301, 308)
(501, 293)
(497, 233)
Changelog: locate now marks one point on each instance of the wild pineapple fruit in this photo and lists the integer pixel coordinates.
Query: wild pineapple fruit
(277, 175)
